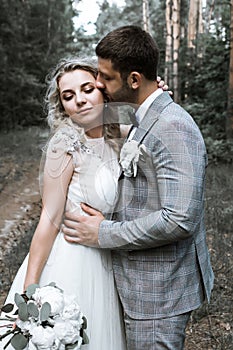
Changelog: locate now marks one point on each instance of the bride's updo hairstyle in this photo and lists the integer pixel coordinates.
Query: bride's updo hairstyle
(56, 115)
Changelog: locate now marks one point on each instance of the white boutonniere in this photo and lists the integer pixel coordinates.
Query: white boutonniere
(131, 152)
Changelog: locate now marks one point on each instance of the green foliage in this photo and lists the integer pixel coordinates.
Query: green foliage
(31, 290)
(7, 308)
(205, 84)
(110, 17)
(158, 29)
(219, 150)
(33, 310)
(19, 341)
(18, 299)
(45, 312)
(35, 34)
(85, 338)
(23, 311)
(38, 314)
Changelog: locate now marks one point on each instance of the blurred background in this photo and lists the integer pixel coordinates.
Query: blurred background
(195, 39)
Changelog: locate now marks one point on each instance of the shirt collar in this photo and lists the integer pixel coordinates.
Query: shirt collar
(141, 111)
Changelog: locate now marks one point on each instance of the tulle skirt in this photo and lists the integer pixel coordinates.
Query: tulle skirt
(86, 273)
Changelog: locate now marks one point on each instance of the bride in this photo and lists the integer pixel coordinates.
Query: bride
(81, 165)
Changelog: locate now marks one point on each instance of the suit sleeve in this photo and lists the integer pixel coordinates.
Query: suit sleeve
(178, 158)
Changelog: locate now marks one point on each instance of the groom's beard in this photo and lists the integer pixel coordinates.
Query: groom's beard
(124, 94)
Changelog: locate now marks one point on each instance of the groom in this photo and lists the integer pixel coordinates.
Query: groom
(158, 241)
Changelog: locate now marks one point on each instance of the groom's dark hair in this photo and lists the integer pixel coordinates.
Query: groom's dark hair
(130, 48)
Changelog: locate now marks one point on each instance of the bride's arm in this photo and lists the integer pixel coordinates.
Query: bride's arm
(57, 175)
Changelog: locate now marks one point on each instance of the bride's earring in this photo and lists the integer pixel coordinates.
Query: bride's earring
(105, 110)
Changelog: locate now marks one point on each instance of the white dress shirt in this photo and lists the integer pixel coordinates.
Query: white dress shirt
(141, 111)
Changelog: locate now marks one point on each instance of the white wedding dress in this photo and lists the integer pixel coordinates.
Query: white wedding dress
(82, 271)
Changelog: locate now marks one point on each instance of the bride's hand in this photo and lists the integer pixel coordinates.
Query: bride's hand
(161, 84)
(83, 229)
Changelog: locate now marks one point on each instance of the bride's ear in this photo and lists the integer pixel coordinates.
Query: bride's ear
(134, 80)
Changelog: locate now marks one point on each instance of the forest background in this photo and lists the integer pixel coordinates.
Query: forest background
(195, 38)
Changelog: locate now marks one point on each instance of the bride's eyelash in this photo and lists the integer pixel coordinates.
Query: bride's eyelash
(89, 90)
(68, 98)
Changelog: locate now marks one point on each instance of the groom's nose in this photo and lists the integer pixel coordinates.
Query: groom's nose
(99, 83)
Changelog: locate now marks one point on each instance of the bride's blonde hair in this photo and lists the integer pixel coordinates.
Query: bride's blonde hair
(56, 115)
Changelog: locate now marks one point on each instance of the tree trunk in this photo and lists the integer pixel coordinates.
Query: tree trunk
(171, 75)
(229, 121)
(211, 10)
(200, 28)
(176, 47)
(195, 23)
(145, 15)
(168, 53)
(192, 23)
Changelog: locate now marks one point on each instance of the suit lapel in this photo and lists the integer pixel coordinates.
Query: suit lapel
(152, 115)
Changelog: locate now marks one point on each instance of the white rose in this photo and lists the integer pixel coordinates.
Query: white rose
(25, 325)
(72, 310)
(31, 346)
(43, 338)
(53, 296)
(67, 332)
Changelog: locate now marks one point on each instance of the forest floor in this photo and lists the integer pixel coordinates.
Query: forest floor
(20, 201)
(210, 327)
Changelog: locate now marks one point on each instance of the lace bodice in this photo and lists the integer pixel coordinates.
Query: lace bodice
(96, 169)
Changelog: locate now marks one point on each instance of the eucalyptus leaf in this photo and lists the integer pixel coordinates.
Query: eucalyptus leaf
(7, 308)
(85, 338)
(19, 299)
(31, 290)
(52, 284)
(71, 346)
(19, 341)
(84, 326)
(23, 311)
(45, 312)
(33, 310)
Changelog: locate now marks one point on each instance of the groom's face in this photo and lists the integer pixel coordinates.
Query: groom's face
(111, 82)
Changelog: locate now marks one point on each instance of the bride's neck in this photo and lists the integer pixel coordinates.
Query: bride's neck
(95, 132)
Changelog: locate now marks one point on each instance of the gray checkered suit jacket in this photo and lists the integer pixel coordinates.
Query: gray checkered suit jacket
(160, 257)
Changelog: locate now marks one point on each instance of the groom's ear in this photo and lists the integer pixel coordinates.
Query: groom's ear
(134, 80)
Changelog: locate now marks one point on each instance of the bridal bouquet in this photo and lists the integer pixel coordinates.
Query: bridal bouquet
(45, 319)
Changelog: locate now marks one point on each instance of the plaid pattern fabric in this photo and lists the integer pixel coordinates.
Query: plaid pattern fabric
(160, 258)
(162, 334)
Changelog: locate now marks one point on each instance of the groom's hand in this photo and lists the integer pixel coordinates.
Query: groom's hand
(83, 229)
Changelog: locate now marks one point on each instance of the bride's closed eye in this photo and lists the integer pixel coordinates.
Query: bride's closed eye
(89, 90)
(67, 98)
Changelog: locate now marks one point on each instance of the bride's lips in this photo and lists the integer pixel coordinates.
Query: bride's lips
(84, 110)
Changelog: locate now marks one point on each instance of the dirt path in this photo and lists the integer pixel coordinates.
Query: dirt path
(19, 197)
